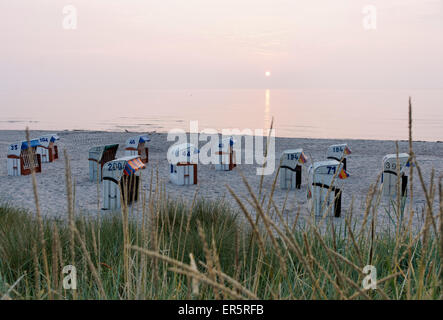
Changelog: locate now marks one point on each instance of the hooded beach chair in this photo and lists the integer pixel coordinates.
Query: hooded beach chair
(47, 149)
(121, 181)
(98, 156)
(291, 162)
(137, 146)
(183, 159)
(337, 152)
(23, 157)
(324, 197)
(389, 178)
(226, 155)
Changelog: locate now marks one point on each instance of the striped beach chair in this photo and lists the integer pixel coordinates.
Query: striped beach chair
(121, 181)
(23, 158)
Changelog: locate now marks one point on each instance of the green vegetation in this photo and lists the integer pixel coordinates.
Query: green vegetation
(231, 259)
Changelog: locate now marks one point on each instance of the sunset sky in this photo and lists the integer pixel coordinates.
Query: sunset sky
(176, 44)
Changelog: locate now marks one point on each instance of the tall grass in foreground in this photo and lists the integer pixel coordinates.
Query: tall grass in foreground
(168, 249)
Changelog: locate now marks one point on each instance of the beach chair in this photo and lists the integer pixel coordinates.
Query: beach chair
(337, 152)
(183, 161)
(389, 178)
(23, 157)
(98, 156)
(323, 194)
(226, 155)
(121, 181)
(137, 146)
(47, 149)
(291, 162)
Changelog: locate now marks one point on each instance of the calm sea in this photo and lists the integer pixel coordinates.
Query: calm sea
(366, 114)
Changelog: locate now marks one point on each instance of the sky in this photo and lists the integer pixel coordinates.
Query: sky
(228, 44)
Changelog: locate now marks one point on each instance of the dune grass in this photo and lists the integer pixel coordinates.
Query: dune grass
(226, 252)
(167, 249)
(19, 255)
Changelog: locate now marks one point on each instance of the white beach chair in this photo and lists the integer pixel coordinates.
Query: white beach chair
(137, 146)
(47, 149)
(226, 155)
(323, 194)
(390, 179)
(98, 156)
(183, 159)
(121, 181)
(337, 152)
(291, 162)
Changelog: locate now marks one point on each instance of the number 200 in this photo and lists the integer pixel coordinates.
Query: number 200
(115, 166)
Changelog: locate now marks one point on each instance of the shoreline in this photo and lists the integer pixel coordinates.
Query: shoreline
(187, 132)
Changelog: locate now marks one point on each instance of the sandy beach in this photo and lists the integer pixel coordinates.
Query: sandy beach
(364, 164)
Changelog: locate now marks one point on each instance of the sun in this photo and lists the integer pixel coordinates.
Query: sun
(268, 73)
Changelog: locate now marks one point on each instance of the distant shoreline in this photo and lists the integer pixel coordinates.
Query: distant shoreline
(42, 131)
